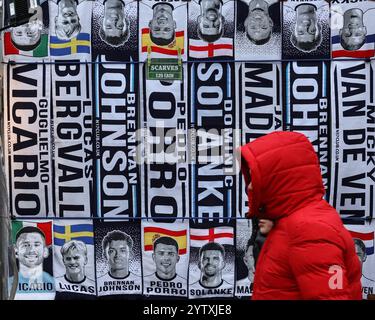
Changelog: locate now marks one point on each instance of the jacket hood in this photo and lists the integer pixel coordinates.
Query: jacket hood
(285, 174)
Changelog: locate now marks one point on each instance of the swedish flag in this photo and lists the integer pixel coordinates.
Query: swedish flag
(82, 232)
(79, 44)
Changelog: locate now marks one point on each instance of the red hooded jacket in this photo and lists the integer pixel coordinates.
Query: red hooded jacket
(308, 254)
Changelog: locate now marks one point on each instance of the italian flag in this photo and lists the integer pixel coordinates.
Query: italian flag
(45, 227)
(39, 51)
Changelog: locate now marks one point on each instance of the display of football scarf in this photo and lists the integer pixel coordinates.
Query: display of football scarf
(302, 39)
(255, 41)
(213, 117)
(154, 40)
(163, 113)
(211, 268)
(245, 264)
(306, 100)
(27, 118)
(118, 258)
(165, 258)
(27, 135)
(74, 260)
(258, 98)
(352, 184)
(211, 29)
(371, 142)
(363, 236)
(70, 47)
(32, 242)
(116, 111)
(353, 29)
(165, 179)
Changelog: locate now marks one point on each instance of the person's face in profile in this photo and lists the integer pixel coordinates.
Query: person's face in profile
(265, 226)
(250, 192)
(118, 254)
(211, 262)
(306, 24)
(27, 34)
(162, 24)
(31, 249)
(249, 187)
(353, 32)
(210, 21)
(166, 258)
(67, 16)
(249, 261)
(74, 261)
(113, 21)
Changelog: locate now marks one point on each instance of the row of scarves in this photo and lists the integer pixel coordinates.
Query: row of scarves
(71, 124)
(123, 146)
(85, 259)
(244, 30)
(100, 139)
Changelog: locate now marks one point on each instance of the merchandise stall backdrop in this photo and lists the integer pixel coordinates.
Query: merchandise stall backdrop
(80, 114)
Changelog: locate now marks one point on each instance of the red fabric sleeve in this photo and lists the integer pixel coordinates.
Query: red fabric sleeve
(317, 259)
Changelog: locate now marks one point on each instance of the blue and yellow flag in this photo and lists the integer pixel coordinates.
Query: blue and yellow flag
(82, 232)
(79, 44)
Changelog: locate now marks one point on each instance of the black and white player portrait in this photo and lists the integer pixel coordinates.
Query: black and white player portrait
(165, 280)
(117, 247)
(211, 264)
(249, 262)
(27, 36)
(367, 283)
(31, 251)
(164, 260)
(211, 20)
(258, 30)
(307, 32)
(74, 258)
(258, 24)
(166, 257)
(360, 250)
(211, 28)
(67, 22)
(162, 25)
(114, 28)
(245, 258)
(32, 34)
(353, 33)
(118, 258)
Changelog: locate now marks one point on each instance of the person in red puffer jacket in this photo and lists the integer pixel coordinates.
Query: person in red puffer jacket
(308, 254)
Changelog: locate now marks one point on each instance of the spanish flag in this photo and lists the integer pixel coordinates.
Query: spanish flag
(153, 233)
(171, 49)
